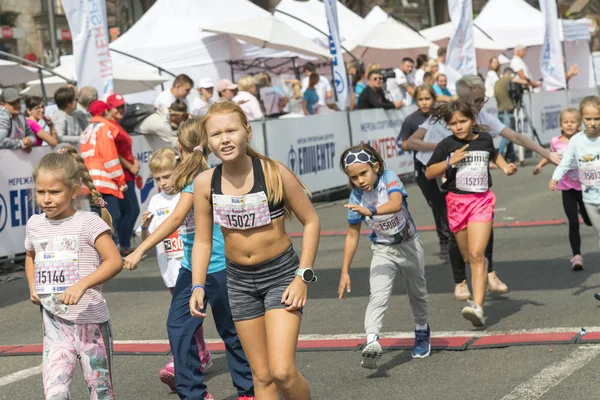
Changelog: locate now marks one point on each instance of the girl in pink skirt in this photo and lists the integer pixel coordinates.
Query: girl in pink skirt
(464, 157)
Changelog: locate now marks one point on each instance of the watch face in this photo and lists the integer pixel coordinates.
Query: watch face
(308, 275)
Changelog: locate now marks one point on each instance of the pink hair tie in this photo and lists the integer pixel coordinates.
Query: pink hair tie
(63, 150)
(100, 202)
(199, 148)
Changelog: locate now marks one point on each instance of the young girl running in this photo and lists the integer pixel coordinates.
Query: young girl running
(569, 185)
(248, 196)
(584, 150)
(182, 327)
(379, 199)
(70, 254)
(464, 157)
(424, 98)
(169, 252)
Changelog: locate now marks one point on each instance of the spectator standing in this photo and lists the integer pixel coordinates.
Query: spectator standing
(440, 87)
(310, 102)
(323, 88)
(101, 158)
(66, 129)
(226, 90)
(246, 97)
(493, 75)
(520, 68)
(428, 79)
(422, 60)
(442, 59)
(206, 91)
(296, 97)
(373, 96)
(505, 112)
(15, 133)
(81, 115)
(433, 67)
(128, 205)
(400, 87)
(272, 100)
(34, 107)
(359, 77)
(182, 85)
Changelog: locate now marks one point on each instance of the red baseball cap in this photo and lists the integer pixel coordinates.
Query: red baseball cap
(114, 101)
(98, 107)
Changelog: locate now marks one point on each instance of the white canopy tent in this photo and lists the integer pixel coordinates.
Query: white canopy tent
(13, 73)
(313, 12)
(380, 43)
(485, 47)
(169, 35)
(513, 22)
(376, 15)
(128, 79)
(269, 32)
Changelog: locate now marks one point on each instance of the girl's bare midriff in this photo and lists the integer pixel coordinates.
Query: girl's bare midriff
(255, 246)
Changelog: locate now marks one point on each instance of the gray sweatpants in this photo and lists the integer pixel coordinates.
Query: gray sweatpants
(408, 260)
(593, 212)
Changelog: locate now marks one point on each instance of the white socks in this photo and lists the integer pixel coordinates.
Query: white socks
(421, 327)
(372, 337)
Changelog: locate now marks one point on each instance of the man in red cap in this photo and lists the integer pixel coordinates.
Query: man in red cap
(129, 205)
(100, 156)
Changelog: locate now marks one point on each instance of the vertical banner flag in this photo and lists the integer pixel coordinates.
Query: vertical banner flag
(551, 57)
(460, 60)
(89, 32)
(340, 77)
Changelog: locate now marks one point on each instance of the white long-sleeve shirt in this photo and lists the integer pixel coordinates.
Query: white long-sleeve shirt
(585, 151)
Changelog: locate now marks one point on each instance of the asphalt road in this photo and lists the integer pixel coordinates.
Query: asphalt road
(545, 296)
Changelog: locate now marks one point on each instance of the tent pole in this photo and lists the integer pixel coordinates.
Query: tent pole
(296, 72)
(231, 66)
(333, 77)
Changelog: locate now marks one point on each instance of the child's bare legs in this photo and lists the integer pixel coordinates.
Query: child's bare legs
(472, 243)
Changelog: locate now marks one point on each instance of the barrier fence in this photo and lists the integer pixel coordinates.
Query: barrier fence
(309, 146)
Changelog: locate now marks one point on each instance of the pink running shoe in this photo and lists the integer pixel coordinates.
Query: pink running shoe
(577, 263)
(167, 375)
(246, 397)
(205, 361)
(208, 396)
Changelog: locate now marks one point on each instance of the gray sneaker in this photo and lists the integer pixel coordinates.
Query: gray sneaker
(473, 313)
(370, 354)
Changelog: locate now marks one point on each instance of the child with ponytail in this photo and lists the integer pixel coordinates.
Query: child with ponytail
(70, 254)
(248, 196)
(181, 325)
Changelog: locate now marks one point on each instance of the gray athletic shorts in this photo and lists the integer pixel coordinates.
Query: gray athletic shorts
(255, 290)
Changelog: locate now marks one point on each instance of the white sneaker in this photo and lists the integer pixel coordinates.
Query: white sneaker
(474, 313)
(370, 354)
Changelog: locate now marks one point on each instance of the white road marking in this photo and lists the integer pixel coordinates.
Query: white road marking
(554, 374)
(20, 375)
(404, 335)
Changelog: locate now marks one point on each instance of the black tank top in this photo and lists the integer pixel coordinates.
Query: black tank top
(275, 209)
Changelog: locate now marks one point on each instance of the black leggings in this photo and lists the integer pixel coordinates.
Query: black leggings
(573, 205)
(436, 200)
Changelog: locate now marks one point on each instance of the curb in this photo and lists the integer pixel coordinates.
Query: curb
(461, 343)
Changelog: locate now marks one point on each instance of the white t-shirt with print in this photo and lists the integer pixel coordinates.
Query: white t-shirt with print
(270, 98)
(438, 131)
(322, 88)
(395, 89)
(169, 252)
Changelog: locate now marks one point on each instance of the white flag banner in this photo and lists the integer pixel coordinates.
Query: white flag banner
(551, 57)
(460, 58)
(89, 33)
(340, 77)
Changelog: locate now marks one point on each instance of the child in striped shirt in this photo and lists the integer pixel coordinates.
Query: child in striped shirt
(70, 254)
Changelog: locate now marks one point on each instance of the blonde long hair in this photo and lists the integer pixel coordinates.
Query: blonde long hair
(273, 179)
(196, 144)
(68, 166)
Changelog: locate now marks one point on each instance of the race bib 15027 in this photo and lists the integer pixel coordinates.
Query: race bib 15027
(241, 212)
